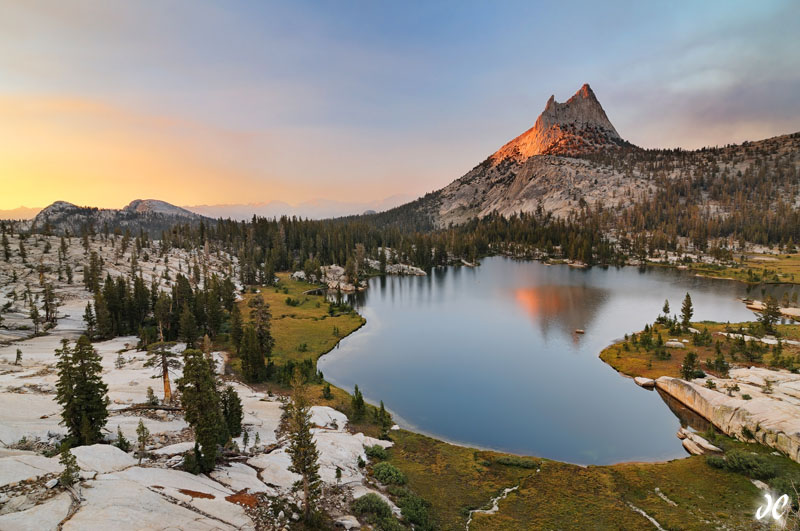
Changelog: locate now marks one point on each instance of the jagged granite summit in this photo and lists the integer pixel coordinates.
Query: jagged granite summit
(577, 126)
(149, 215)
(542, 167)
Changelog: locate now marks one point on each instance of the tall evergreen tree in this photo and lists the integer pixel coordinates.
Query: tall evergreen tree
(232, 411)
(261, 317)
(6, 249)
(357, 403)
(162, 312)
(253, 367)
(687, 311)
(91, 322)
(201, 407)
(161, 356)
(770, 314)
(236, 327)
(105, 325)
(188, 326)
(302, 448)
(81, 392)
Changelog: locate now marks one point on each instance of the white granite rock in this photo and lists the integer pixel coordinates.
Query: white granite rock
(23, 467)
(44, 516)
(102, 458)
(774, 418)
(239, 476)
(327, 417)
(122, 505)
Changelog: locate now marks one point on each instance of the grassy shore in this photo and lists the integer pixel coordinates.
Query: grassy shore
(303, 326)
(755, 269)
(554, 495)
(633, 359)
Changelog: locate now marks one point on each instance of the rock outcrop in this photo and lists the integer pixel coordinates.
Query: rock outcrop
(772, 418)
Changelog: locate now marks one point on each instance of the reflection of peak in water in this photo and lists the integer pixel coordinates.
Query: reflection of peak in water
(571, 307)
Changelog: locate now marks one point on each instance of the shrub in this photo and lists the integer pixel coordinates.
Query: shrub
(414, 509)
(388, 474)
(519, 462)
(751, 465)
(376, 452)
(716, 461)
(746, 397)
(787, 485)
(371, 505)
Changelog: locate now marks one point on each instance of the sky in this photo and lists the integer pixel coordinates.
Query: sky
(200, 103)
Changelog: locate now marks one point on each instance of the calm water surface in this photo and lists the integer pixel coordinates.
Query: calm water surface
(488, 356)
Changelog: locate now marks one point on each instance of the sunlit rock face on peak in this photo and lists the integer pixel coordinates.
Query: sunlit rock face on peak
(577, 126)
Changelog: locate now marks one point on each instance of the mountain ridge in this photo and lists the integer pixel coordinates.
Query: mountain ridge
(149, 215)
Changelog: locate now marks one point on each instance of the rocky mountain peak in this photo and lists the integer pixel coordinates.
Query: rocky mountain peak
(577, 126)
(155, 206)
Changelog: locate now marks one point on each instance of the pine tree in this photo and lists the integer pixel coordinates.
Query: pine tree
(232, 411)
(91, 322)
(686, 311)
(665, 309)
(253, 367)
(161, 356)
(384, 421)
(81, 392)
(201, 407)
(142, 433)
(357, 403)
(71, 472)
(689, 366)
(122, 443)
(188, 326)
(261, 317)
(6, 249)
(236, 327)
(35, 317)
(162, 311)
(770, 314)
(302, 448)
(18, 359)
(105, 325)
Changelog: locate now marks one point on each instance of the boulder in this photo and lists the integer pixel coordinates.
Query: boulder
(327, 417)
(647, 383)
(274, 468)
(175, 449)
(347, 522)
(102, 458)
(674, 344)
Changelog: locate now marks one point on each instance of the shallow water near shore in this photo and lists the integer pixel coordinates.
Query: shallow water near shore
(489, 357)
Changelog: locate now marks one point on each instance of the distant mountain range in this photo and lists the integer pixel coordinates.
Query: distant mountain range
(313, 209)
